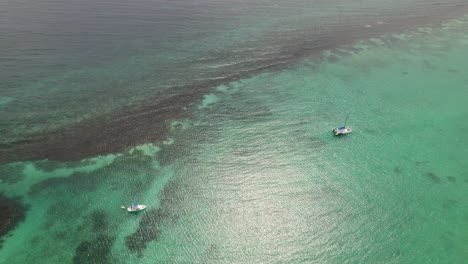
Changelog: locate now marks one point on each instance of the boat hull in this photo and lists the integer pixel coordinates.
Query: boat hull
(342, 130)
(134, 209)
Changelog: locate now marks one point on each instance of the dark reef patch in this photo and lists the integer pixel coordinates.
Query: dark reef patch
(397, 170)
(11, 173)
(421, 162)
(100, 220)
(212, 253)
(434, 177)
(150, 226)
(453, 71)
(123, 129)
(449, 203)
(428, 65)
(57, 184)
(147, 231)
(147, 121)
(451, 179)
(96, 251)
(12, 213)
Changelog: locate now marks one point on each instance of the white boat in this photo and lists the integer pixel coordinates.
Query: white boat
(135, 207)
(342, 130)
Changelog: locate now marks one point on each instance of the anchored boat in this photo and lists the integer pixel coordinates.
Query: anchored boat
(135, 207)
(342, 130)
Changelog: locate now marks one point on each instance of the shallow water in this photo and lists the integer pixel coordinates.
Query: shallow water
(220, 121)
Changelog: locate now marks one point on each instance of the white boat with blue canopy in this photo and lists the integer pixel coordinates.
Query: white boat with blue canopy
(135, 207)
(342, 130)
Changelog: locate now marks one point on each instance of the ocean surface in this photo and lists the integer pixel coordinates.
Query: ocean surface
(218, 116)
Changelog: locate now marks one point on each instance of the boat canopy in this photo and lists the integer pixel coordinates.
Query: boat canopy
(135, 204)
(341, 128)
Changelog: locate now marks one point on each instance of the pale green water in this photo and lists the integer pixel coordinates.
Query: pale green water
(255, 175)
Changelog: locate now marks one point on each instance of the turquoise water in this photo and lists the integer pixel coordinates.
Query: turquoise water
(245, 168)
